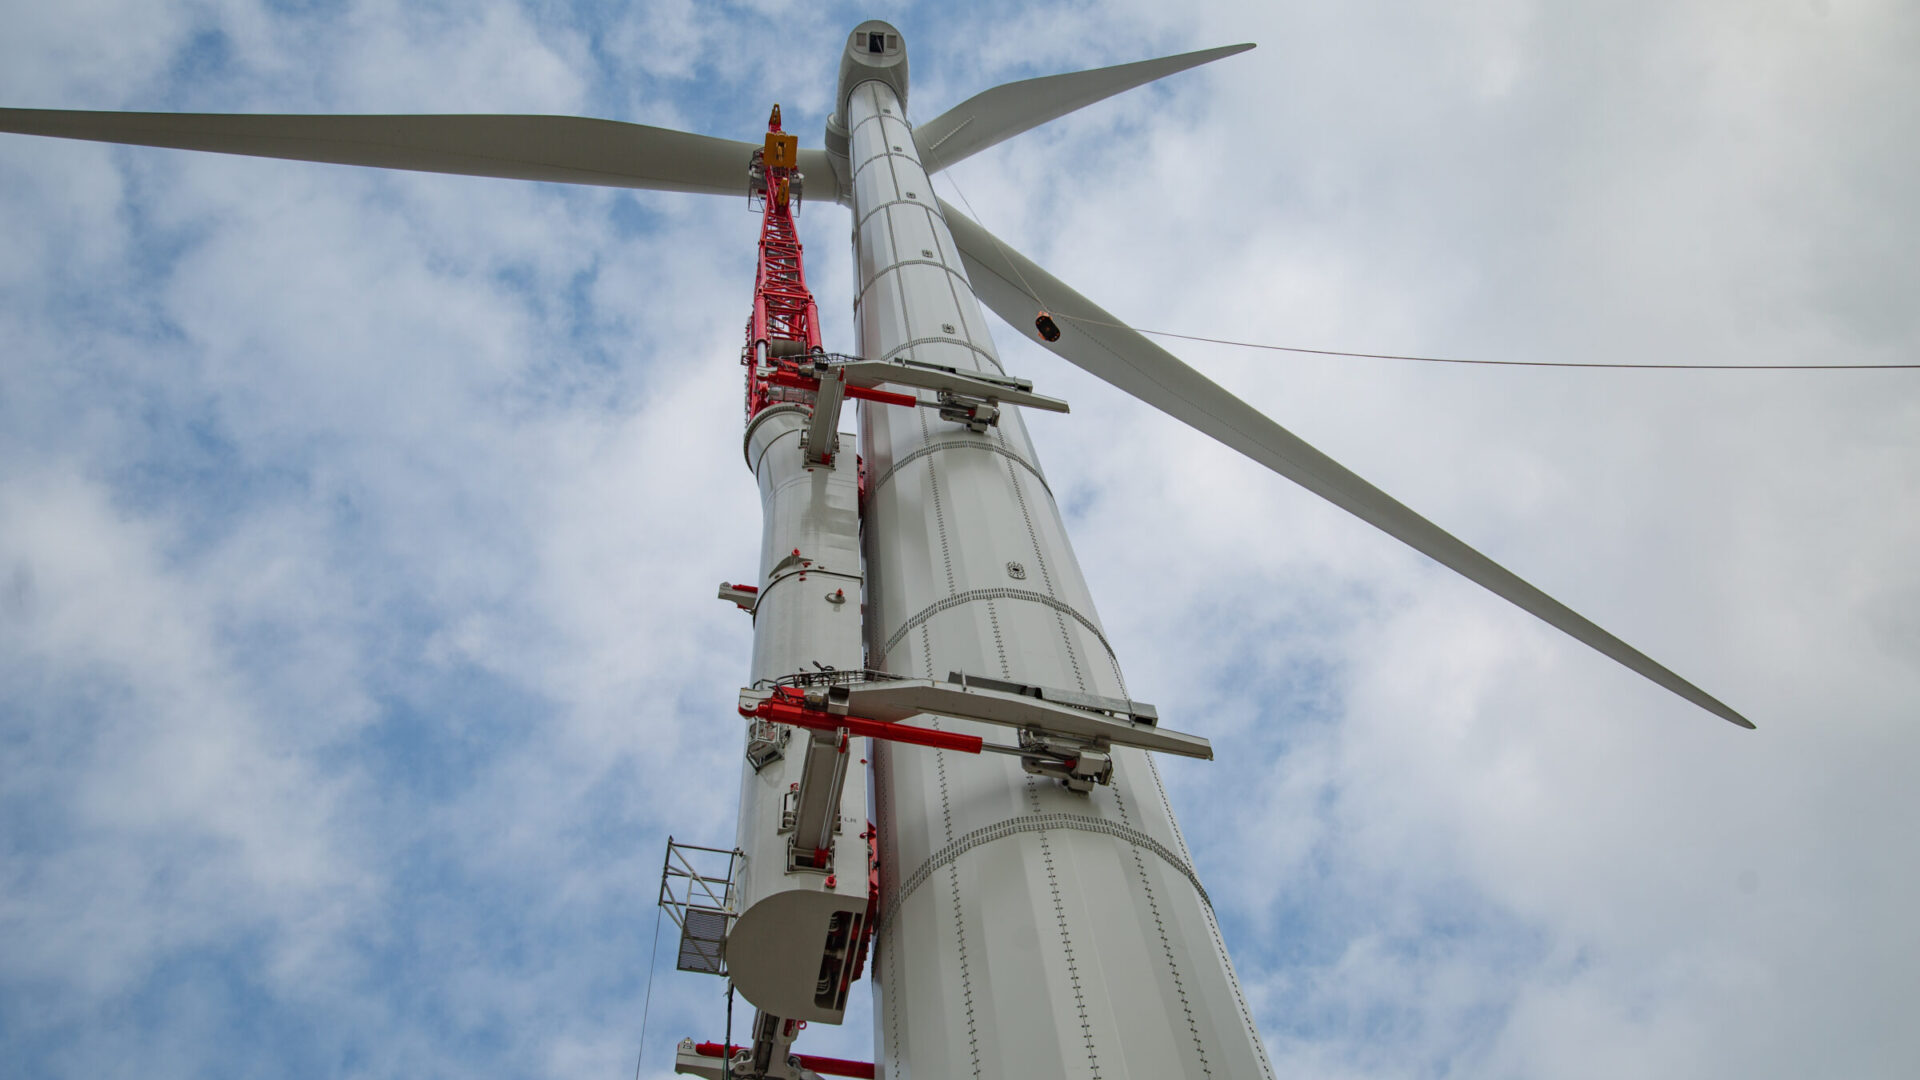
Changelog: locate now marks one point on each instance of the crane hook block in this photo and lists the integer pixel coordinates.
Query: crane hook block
(1049, 330)
(781, 151)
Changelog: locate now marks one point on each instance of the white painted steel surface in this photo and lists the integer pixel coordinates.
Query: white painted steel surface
(894, 701)
(774, 948)
(1026, 930)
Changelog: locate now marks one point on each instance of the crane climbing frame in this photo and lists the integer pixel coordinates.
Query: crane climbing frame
(799, 902)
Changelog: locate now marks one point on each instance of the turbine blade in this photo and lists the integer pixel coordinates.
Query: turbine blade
(1121, 356)
(996, 115)
(558, 149)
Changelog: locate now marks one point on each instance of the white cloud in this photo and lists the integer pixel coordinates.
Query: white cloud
(180, 810)
(369, 523)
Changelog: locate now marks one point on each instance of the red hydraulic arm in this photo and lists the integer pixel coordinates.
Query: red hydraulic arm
(789, 706)
(826, 1066)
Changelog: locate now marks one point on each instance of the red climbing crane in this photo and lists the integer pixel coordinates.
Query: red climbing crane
(783, 337)
(785, 328)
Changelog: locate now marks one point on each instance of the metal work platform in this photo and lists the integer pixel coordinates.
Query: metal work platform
(696, 889)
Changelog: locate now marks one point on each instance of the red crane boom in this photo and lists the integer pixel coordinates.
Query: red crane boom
(785, 328)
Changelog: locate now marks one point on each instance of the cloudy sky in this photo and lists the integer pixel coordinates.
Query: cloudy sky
(358, 531)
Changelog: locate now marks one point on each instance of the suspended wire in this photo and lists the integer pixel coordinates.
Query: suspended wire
(1491, 363)
(653, 962)
(1005, 256)
(726, 1040)
(1027, 288)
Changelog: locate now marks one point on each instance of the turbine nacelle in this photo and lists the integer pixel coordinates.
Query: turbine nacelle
(875, 52)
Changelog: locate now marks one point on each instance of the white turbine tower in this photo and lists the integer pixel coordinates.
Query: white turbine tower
(1019, 887)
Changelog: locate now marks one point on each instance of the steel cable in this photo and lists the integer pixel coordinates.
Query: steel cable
(653, 962)
(1027, 288)
(1069, 316)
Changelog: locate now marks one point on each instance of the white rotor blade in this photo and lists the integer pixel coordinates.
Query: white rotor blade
(559, 149)
(993, 116)
(1121, 356)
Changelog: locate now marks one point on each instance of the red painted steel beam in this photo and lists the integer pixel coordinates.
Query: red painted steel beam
(884, 397)
(782, 712)
(860, 1070)
(864, 393)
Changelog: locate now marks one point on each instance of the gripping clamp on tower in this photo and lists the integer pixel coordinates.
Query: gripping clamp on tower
(1064, 734)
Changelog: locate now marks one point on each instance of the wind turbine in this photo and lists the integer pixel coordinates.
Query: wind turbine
(1035, 913)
